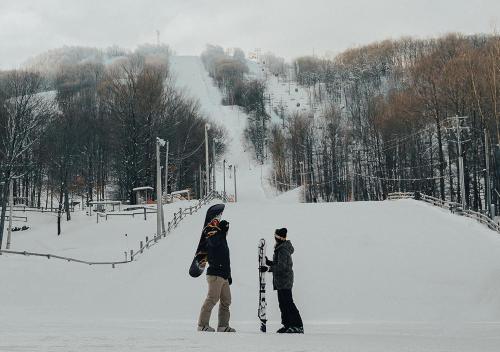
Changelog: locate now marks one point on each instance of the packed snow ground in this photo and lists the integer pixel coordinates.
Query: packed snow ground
(386, 276)
(369, 276)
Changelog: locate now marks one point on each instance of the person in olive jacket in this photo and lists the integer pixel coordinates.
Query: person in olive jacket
(281, 267)
(218, 277)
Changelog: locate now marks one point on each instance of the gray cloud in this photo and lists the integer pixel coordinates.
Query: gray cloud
(289, 28)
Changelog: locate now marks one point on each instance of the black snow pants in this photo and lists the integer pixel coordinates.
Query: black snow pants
(290, 315)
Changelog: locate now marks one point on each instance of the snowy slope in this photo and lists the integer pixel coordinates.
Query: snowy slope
(370, 276)
(282, 92)
(405, 271)
(192, 76)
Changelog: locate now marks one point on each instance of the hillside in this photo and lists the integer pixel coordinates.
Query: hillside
(370, 276)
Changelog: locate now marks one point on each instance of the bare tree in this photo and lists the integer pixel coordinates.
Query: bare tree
(24, 114)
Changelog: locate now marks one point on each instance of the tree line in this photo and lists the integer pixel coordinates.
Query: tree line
(84, 130)
(385, 119)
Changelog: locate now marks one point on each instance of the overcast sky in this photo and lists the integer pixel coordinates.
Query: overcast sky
(287, 27)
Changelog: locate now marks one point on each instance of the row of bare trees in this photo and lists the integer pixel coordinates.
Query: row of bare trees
(92, 135)
(387, 122)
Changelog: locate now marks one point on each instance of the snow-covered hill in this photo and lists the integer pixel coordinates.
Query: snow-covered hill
(193, 78)
(392, 270)
(370, 276)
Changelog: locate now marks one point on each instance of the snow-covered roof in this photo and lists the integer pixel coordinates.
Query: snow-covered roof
(142, 188)
(180, 192)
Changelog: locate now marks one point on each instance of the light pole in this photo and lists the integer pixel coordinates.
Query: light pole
(487, 178)
(213, 165)
(224, 177)
(207, 186)
(301, 164)
(461, 168)
(235, 193)
(159, 210)
(11, 202)
(166, 170)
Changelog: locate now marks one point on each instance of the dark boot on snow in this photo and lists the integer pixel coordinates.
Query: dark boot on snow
(294, 330)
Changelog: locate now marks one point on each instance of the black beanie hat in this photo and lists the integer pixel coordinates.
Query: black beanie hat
(281, 232)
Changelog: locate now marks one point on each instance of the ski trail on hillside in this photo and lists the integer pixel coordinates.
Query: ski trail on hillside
(191, 75)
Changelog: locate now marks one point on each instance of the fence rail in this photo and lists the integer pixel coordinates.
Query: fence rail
(149, 242)
(54, 256)
(26, 209)
(132, 214)
(17, 218)
(454, 207)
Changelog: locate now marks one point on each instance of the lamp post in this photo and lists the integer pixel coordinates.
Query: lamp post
(159, 210)
(207, 170)
(11, 202)
(302, 176)
(224, 178)
(166, 170)
(213, 164)
(235, 190)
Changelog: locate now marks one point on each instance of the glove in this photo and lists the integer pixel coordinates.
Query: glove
(263, 269)
(230, 279)
(268, 262)
(224, 226)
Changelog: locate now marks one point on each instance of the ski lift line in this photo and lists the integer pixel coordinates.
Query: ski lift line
(414, 179)
(424, 166)
(377, 177)
(290, 185)
(399, 179)
(184, 157)
(384, 149)
(395, 142)
(287, 184)
(397, 139)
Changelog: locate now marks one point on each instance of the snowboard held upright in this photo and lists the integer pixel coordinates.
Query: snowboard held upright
(262, 286)
(200, 259)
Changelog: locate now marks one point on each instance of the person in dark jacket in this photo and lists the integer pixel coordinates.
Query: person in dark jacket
(281, 267)
(218, 277)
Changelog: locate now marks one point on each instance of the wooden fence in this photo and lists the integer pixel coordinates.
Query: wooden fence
(454, 207)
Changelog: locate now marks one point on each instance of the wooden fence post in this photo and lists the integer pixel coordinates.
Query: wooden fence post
(141, 249)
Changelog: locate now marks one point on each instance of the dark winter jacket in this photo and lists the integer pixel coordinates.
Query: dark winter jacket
(281, 266)
(218, 253)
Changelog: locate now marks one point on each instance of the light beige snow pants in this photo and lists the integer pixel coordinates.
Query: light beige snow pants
(218, 289)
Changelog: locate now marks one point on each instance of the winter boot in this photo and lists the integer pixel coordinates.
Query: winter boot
(294, 330)
(225, 329)
(281, 330)
(206, 328)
